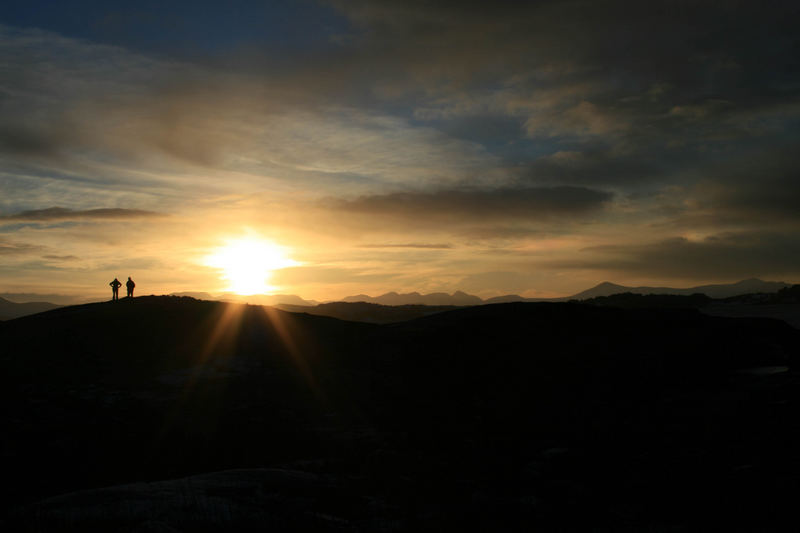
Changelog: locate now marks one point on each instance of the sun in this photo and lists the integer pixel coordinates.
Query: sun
(248, 263)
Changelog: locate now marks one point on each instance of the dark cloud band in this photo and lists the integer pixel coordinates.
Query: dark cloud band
(423, 246)
(527, 204)
(723, 256)
(60, 213)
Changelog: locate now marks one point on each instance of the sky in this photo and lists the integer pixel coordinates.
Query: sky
(331, 148)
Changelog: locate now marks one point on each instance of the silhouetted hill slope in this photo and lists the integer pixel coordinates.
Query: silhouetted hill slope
(508, 416)
(253, 299)
(510, 298)
(10, 310)
(714, 291)
(197, 295)
(629, 300)
(368, 312)
(783, 305)
(787, 295)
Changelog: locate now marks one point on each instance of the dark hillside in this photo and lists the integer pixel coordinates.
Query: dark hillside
(783, 305)
(493, 417)
(369, 312)
(629, 300)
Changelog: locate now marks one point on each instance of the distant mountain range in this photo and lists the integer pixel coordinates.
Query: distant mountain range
(606, 288)
(414, 298)
(747, 286)
(9, 309)
(458, 298)
(57, 299)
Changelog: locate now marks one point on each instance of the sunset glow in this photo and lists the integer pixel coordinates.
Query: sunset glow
(492, 149)
(247, 264)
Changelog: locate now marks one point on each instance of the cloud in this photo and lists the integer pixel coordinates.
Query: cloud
(701, 110)
(107, 118)
(371, 149)
(469, 205)
(423, 246)
(582, 119)
(598, 165)
(587, 76)
(60, 213)
(722, 256)
(488, 126)
(764, 184)
(10, 247)
(496, 282)
(28, 141)
(756, 189)
(327, 275)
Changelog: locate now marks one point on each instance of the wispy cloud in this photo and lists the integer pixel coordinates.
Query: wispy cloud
(11, 247)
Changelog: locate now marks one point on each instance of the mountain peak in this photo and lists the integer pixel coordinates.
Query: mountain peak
(607, 284)
(749, 281)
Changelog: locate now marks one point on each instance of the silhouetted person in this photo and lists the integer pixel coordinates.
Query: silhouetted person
(115, 285)
(130, 285)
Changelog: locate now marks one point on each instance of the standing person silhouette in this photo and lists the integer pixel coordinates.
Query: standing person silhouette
(130, 285)
(115, 285)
